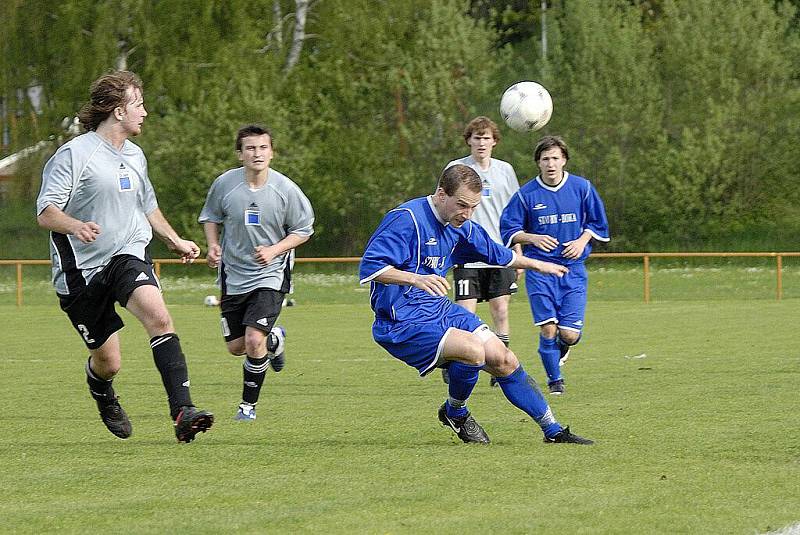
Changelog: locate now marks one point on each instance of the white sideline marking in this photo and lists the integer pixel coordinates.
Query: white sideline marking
(641, 356)
(793, 529)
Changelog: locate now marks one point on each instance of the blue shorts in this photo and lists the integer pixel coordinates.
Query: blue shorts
(560, 300)
(419, 343)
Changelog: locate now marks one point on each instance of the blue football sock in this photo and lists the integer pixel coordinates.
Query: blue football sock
(548, 350)
(523, 392)
(463, 378)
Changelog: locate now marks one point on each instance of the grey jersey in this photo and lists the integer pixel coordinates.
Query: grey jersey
(89, 179)
(499, 185)
(253, 217)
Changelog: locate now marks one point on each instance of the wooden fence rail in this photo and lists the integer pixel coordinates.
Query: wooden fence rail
(352, 259)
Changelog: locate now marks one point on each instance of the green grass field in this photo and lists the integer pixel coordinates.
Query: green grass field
(692, 400)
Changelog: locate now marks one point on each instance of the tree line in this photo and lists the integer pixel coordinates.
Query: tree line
(685, 115)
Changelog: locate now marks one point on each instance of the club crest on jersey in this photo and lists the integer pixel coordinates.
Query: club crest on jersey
(434, 262)
(252, 215)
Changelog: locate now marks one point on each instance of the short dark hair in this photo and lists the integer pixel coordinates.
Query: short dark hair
(481, 124)
(253, 130)
(548, 142)
(106, 94)
(456, 175)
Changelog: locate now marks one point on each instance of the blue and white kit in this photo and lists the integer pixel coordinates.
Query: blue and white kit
(410, 323)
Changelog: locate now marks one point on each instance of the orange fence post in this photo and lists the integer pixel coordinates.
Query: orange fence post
(779, 270)
(157, 265)
(19, 284)
(646, 279)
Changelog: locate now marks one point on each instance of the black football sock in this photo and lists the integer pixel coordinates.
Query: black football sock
(171, 364)
(253, 373)
(100, 389)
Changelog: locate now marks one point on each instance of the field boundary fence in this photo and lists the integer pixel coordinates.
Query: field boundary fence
(645, 257)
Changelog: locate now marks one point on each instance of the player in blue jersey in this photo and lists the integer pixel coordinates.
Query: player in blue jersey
(101, 210)
(555, 217)
(406, 261)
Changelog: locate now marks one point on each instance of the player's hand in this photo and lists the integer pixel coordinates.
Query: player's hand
(264, 254)
(551, 268)
(214, 255)
(187, 249)
(573, 249)
(544, 242)
(87, 232)
(433, 284)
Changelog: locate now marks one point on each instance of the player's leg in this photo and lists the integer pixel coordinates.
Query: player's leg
(523, 392)
(92, 313)
(571, 311)
(464, 352)
(101, 367)
(146, 303)
(456, 339)
(258, 316)
(500, 283)
(542, 295)
(550, 355)
(467, 288)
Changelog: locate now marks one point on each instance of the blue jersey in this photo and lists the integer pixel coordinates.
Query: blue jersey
(413, 238)
(564, 212)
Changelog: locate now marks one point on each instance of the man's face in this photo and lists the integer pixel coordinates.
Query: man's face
(256, 152)
(133, 113)
(481, 144)
(456, 209)
(551, 165)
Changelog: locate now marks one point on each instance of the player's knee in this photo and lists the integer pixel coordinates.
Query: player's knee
(160, 323)
(506, 362)
(549, 330)
(569, 337)
(255, 343)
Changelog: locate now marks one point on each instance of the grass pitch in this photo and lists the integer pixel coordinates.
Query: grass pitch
(693, 405)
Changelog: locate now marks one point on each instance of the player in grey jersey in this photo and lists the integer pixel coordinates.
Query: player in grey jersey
(477, 282)
(101, 210)
(264, 216)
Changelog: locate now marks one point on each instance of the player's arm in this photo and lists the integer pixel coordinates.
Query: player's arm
(54, 219)
(433, 284)
(264, 254)
(544, 242)
(186, 248)
(523, 262)
(214, 254)
(514, 226)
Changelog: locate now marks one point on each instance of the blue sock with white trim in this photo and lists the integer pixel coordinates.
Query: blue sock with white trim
(549, 352)
(463, 378)
(523, 392)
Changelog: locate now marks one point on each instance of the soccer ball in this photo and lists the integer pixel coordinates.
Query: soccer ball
(211, 301)
(526, 106)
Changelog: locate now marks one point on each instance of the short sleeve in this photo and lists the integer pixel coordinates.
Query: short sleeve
(394, 244)
(57, 181)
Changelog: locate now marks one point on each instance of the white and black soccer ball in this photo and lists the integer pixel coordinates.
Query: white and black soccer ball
(526, 106)
(211, 301)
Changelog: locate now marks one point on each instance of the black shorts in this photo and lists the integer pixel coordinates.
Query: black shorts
(484, 283)
(258, 309)
(91, 310)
